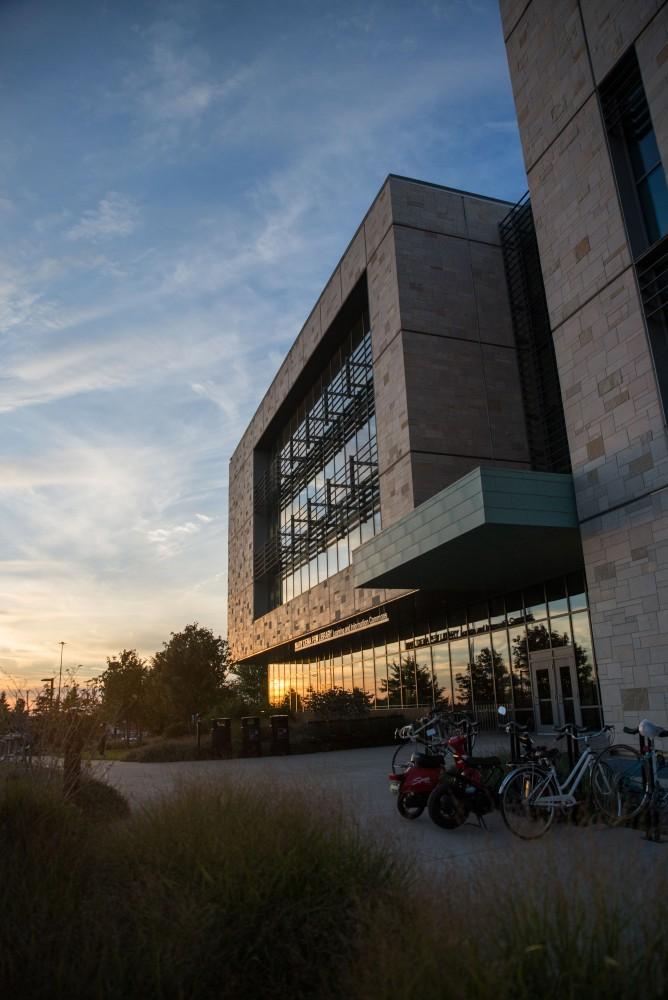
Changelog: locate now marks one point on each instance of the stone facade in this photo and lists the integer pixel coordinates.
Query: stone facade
(446, 384)
(558, 54)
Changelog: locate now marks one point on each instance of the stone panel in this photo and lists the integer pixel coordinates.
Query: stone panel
(330, 300)
(629, 608)
(391, 407)
(435, 284)
(611, 26)
(378, 220)
(383, 296)
(579, 227)
(396, 490)
(503, 394)
(613, 414)
(550, 73)
(311, 333)
(353, 264)
(511, 12)
(483, 218)
(432, 473)
(491, 295)
(445, 388)
(652, 51)
(424, 207)
(342, 601)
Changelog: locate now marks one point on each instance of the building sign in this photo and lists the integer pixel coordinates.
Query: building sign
(339, 631)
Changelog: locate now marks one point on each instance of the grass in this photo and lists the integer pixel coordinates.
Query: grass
(234, 891)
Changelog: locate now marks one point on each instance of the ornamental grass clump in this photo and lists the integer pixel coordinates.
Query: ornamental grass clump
(266, 890)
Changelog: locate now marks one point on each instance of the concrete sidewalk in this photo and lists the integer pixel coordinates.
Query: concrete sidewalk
(355, 783)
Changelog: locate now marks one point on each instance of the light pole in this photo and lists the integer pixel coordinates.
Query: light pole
(60, 674)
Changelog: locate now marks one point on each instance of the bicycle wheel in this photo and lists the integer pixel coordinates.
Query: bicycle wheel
(619, 786)
(404, 754)
(522, 817)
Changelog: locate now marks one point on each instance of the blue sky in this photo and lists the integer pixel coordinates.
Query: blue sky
(177, 182)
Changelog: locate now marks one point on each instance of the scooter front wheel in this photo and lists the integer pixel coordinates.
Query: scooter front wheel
(447, 810)
(410, 806)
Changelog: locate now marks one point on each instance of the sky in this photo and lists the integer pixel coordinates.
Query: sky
(177, 182)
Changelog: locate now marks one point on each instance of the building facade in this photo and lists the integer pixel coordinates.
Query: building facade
(454, 488)
(425, 369)
(590, 81)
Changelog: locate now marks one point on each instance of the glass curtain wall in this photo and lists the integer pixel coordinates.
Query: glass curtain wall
(321, 485)
(475, 659)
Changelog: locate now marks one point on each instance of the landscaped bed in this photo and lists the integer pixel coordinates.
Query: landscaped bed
(239, 891)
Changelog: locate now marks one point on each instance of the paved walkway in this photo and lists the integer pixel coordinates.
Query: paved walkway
(355, 782)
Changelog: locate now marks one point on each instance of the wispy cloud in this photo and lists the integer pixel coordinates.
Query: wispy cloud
(115, 216)
(158, 256)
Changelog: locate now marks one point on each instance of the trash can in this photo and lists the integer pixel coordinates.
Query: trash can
(280, 734)
(221, 735)
(250, 736)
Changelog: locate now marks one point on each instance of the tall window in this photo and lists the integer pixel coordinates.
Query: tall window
(635, 154)
(318, 497)
(644, 195)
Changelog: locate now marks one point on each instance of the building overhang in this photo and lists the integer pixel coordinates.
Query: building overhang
(492, 531)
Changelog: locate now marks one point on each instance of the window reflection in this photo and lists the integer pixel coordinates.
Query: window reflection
(442, 677)
(468, 667)
(584, 659)
(459, 655)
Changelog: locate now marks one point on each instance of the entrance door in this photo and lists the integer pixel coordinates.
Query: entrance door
(555, 689)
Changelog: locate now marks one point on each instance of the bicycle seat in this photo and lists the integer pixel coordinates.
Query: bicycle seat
(650, 730)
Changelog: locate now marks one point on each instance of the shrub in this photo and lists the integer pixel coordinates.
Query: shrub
(163, 751)
(337, 703)
(100, 801)
(239, 891)
(176, 729)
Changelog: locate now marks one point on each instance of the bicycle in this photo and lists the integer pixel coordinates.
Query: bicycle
(637, 784)
(532, 793)
(429, 734)
(471, 784)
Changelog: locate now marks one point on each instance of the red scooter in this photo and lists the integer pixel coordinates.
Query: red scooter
(415, 783)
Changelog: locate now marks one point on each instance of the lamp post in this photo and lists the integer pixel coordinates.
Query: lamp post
(60, 674)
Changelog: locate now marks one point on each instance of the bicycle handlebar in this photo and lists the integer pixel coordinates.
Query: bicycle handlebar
(580, 732)
(514, 727)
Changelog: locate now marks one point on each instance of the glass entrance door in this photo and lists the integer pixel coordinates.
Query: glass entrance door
(555, 690)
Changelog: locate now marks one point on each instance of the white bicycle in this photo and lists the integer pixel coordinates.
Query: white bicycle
(532, 794)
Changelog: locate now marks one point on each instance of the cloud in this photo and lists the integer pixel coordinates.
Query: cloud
(115, 216)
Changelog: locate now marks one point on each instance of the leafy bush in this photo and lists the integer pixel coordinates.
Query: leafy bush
(337, 703)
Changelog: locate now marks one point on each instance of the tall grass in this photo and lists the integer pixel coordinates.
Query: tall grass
(235, 892)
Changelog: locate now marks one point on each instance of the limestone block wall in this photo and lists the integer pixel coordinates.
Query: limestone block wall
(557, 55)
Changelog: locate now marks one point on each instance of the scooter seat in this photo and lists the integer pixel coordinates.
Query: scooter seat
(429, 760)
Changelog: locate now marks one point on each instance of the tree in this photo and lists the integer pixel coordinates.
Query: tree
(248, 684)
(123, 688)
(4, 712)
(411, 676)
(190, 672)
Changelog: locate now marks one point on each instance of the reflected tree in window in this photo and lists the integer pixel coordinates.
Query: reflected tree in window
(409, 675)
(478, 683)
